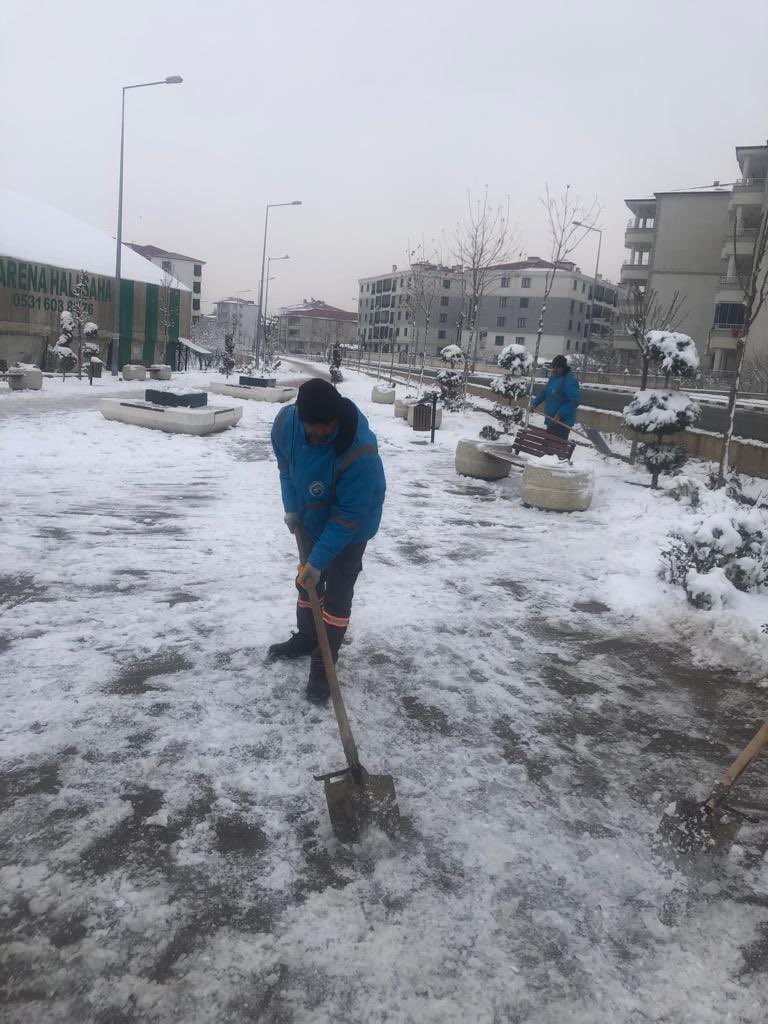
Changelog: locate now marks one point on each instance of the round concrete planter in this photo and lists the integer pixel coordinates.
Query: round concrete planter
(383, 394)
(438, 415)
(25, 379)
(402, 405)
(470, 461)
(158, 371)
(132, 371)
(558, 489)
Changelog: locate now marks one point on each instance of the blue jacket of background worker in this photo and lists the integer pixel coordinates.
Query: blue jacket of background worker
(337, 489)
(561, 398)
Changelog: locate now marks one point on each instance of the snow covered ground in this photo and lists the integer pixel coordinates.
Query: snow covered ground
(537, 693)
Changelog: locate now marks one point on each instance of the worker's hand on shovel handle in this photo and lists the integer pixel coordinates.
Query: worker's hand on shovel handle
(307, 573)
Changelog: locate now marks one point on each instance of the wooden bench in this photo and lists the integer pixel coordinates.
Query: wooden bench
(536, 441)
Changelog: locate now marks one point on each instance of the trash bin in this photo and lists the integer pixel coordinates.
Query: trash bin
(422, 416)
(96, 366)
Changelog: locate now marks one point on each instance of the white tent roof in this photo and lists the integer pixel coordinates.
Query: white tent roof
(38, 233)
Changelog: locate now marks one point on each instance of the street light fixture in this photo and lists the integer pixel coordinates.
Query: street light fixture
(599, 231)
(170, 80)
(259, 318)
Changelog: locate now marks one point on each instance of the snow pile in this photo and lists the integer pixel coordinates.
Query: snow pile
(660, 412)
(674, 353)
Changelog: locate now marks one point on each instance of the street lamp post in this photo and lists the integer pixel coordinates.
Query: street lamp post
(259, 318)
(588, 227)
(270, 260)
(171, 80)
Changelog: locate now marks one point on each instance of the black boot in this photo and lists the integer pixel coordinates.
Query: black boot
(318, 689)
(299, 646)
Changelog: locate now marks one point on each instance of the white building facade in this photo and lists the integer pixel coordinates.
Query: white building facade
(187, 269)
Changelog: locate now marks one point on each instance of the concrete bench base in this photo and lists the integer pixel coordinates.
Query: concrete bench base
(133, 372)
(557, 489)
(402, 405)
(254, 394)
(471, 461)
(383, 394)
(25, 380)
(208, 420)
(159, 371)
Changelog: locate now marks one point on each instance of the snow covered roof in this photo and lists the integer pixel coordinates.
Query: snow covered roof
(193, 347)
(534, 263)
(150, 251)
(318, 310)
(38, 233)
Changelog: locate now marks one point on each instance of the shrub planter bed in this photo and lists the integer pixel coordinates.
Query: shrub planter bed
(258, 382)
(173, 420)
(383, 394)
(159, 371)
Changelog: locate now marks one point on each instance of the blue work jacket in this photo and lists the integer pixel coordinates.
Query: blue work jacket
(561, 398)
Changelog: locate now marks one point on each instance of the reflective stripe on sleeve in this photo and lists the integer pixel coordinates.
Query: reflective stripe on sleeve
(335, 620)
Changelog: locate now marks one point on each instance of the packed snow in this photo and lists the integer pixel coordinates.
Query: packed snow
(537, 692)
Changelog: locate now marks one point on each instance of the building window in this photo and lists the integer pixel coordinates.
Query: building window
(196, 287)
(292, 332)
(405, 332)
(444, 300)
(576, 346)
(501, 321)
(583, 286)
(196, 304)
(573, 305)
(525, 283)
(399, 314)
(505, 282)
(499, 339)
(524, 302)
(575, 284)
(570, 325)
(503, 301)
(441, 334)
(520, 339)
(446, 282)
(581, 307)
(443, 318)
(167, 266)
(401, 281)
(362, 287)
(578, 327)
(568, 345)
(397, 333)
(522, 321)
(197, 270)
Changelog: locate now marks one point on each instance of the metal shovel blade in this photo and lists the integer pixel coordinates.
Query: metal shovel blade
(690, 826)
(355, 804)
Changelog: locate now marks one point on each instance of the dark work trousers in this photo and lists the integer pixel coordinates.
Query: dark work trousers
(559, 430)
(335, 590)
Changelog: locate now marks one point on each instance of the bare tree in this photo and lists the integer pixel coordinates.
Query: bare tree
(641, 312)
(755, 368)
(420, 298)
(164, 312)
(754, 286)
(481, 242)
(569, 223)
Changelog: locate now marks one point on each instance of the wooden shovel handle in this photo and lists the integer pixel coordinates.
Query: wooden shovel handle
(345, 731)
(740, 765)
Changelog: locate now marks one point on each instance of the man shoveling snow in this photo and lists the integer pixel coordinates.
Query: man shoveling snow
(332, 483)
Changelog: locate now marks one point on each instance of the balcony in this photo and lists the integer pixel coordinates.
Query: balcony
(624, 343)
(637, 237)
(723, 338)
(730, 289)
(748, 191)
(745, 243)
(634, 272)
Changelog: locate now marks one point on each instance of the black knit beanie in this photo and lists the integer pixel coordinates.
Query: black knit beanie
(559, 363)
(318, 401)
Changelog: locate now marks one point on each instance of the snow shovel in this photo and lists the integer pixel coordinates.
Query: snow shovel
(355, 798)
(690, 826)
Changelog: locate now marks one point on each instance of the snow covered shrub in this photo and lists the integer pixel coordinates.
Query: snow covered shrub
(515, 359)
(509, 386)
(335, 365)
(709, 555)
(675, 354)
(663, 458)
(489, 433)
(733, 486)
(452, 354)
(685, 490)
(658, 413)
(450, 389)
(228, 359)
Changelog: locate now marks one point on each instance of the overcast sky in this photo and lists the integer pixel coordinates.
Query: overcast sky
(378, 116)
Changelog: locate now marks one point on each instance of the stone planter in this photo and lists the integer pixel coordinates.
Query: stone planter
(438, 414)
(472, 462)
(158, 371)
(210, 419)
(402, 405)
(383, 394)
(254, 394)
(558, 488)
(132, 371)
(25, 378)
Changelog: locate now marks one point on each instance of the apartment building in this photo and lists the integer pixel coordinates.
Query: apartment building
(392, 308)
(313, 327)
(187, 269)
(746, 204)
(675, 243)
(242, 312)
